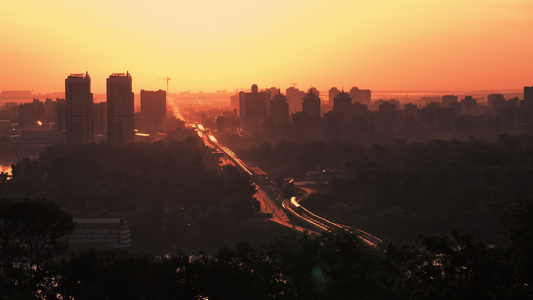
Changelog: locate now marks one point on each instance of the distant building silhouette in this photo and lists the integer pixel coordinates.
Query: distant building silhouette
(495, 101)
(279, 109)
(314, 91)
(30, 114)
(253, 108)
(120, 109)
(153, 109)
(311, 105)
(361, 96)
(79, 109)
(234, 100)
(332, 93)
(49, 112)
(447, 100)
(528, 98)
(273, 92)
(61, 114)
(100, 118)
(99, 233)
(295, 97)
(343, 103)
(469, 106)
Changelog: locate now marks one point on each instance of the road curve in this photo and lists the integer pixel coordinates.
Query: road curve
(294, 208)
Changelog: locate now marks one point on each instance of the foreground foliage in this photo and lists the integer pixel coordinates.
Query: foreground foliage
(31, 234)
(333, 265)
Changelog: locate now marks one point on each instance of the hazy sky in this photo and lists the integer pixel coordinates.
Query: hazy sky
(213, 45)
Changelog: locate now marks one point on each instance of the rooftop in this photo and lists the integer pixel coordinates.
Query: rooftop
(97, 220)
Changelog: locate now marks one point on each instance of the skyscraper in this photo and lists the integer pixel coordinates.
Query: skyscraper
(279, 108)
(153, 109)
(79, 109)
(100, 118)
(332, 93)
(343, 104)
(361, 96)
(494, 101)
(31, 114)
(528, 98)
(311, 105)
(120, 109)
(314, 90)
(295, 97)
(254, 108)
(449, 99)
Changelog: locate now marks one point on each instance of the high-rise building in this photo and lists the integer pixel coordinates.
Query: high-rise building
(279, 108)
(295, 97)
(100, 118)
(273, 91)
(494, 101)
(61, 114)
(314, 90)
(120, 109)
(79, 108)
(343, 103)
(469, 105)
(361, 96)
(446, 100)
(253, 108)
(333, 92)
(528, 98)
(311, 105)
(31, 114)
(49, 112)
(153, 109)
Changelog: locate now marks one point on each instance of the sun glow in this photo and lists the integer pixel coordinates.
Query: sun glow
(214, 45)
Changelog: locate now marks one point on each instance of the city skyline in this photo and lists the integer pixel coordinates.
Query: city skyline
(208, 46)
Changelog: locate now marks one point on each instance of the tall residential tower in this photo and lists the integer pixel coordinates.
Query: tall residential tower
(79, 106)
(153, 109)
(120, 109)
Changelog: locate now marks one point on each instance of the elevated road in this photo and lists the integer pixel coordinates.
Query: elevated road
(266, 192)
(294, 207)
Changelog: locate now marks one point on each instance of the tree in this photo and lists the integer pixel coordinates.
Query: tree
(459, 268)
(31, 233)
(521, 234)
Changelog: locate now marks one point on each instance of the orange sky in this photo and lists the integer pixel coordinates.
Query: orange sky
(205, 45)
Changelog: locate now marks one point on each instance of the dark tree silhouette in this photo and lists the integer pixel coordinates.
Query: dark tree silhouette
(31, 234)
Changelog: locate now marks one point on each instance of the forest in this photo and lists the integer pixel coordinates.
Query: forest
(172, 192)
(399, 190)
(333, 265)
(456, 218)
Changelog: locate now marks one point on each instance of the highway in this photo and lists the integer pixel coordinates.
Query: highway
(294, 207)
(267, 195)
(263, 187)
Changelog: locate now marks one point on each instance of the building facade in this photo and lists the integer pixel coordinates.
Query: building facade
(279, 109)
(361, 96)
(120, 109)
(79, 106)
(311, 106)
(153, 109)
(528, 98)
(295, 97)
(343, 104)
(254, 108)
(99, 233)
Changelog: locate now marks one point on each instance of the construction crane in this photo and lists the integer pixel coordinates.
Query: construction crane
(294, 84)
(167, 79)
